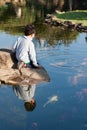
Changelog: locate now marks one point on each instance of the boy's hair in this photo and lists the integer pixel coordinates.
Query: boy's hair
(29, 106)
(29, 29)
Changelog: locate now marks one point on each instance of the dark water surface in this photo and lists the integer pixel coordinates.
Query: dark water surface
(62, 103)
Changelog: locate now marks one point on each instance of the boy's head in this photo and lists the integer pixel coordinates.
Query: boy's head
(30, 106)
(29, 30)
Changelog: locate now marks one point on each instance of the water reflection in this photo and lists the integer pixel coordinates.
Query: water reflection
(26, 93)
(26, 15)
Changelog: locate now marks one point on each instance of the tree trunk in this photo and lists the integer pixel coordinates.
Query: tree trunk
(70, 5)
(60, 5)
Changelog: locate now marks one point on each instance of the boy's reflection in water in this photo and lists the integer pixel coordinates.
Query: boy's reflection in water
(26, 93)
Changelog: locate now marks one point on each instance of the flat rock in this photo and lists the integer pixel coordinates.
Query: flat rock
(9, 74)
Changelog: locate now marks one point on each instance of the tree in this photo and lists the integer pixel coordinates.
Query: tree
(70, 5)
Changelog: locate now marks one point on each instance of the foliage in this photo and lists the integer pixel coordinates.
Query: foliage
(6, 12)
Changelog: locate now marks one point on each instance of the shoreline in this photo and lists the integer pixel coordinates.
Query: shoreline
(52, 20)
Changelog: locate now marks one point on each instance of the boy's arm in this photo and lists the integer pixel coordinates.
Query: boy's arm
(33, 54)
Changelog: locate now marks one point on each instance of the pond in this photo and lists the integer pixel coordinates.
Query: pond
(60, 104)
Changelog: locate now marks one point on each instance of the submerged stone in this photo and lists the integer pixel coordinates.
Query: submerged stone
(9, 74)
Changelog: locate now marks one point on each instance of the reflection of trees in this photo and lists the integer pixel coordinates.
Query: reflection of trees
(36, 9)
(56, 35)
(52, 35)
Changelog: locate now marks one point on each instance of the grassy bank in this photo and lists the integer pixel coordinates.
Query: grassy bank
(78, 16)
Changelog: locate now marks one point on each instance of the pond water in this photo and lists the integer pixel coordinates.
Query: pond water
(60, 104)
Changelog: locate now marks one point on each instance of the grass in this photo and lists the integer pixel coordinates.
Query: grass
(78, 16)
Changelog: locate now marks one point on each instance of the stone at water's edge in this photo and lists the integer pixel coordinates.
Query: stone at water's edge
(9, 74)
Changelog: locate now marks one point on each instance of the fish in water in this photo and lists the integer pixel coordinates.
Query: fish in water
(50, 100)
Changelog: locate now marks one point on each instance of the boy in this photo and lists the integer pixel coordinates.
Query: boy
(24, 48)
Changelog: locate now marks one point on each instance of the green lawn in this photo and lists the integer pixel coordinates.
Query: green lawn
(78, 16)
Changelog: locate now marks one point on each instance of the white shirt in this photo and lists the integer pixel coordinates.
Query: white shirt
(25, 50)
(25, 93)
